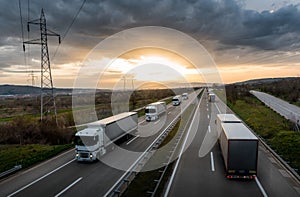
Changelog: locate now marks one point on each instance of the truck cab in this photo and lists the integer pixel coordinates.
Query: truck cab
(185, 96)
(89, 144)
(176, 100)
(151, 113)
(153, 110)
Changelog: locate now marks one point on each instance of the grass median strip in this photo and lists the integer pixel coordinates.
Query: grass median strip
(145, 181)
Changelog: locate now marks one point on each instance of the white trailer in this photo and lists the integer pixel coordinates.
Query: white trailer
(185, 96)
(176, 100)
(239, 148)
(211, 97)
(226, 118)
(154, 110)
(100, 136)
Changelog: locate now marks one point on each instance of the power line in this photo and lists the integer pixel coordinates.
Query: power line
(21, 20)
(69, 27)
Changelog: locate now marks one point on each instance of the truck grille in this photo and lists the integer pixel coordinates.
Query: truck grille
(84, 155)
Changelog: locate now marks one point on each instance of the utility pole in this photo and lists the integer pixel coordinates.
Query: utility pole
(32, 77)
(124, 82)
(47, 95)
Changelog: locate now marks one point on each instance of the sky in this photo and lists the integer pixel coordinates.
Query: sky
(246, 39)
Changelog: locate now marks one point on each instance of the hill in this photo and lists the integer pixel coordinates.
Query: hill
(6, 90)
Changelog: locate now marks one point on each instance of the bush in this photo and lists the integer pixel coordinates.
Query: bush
(287, 143)
(24, 130)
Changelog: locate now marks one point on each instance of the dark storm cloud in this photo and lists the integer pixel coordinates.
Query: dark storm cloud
(223, 21)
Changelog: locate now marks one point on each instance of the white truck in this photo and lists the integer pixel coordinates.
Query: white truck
(185, 96)
(211, 97)
(101, 136)
(176, 100)
(154, 110)
(239, 147)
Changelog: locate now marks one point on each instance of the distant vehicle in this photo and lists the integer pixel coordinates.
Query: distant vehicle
(239, 147)
(99, 137)
(211, 97)
(153, 110)
(185, 96)
(176, 100)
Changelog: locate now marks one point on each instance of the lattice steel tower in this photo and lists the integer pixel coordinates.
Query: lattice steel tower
(47, 94)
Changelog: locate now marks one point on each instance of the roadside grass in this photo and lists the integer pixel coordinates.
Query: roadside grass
(273, 128)
(27, 155)
(168, 100)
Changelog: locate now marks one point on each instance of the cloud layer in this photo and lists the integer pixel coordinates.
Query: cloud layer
(220, 25)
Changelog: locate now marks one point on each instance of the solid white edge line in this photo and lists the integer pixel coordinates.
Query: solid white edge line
(132, 139)
(181, 151)
(33, 182)
(106, 194)
(64, 190)
(142, 121)
(217, 108)
(256, 179)
(261, 187)
(212, 161)
(157, 122)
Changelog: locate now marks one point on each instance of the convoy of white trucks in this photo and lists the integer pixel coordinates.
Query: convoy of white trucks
(239, 147)
(99, 137)
(176, 100)
(154, 110)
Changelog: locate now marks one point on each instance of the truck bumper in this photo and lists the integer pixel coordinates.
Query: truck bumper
(85, 156)
(150, 118)
(240, 176)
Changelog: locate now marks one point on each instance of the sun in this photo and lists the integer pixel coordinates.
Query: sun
(145, 65)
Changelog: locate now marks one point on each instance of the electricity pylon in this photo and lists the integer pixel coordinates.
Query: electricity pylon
(47, 94)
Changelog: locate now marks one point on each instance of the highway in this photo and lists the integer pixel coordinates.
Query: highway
(289, 111)
(200, 169)
(63, 176)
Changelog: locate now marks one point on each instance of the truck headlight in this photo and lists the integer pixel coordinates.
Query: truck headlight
(77, 154)
(91, 155)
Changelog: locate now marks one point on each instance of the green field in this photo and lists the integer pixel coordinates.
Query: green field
(273, 128)
(27, 155)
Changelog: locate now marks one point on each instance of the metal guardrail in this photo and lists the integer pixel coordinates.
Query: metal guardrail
(283, 163)
(180, 134)
(126, 179)
(121, 185)
(10, 171)
(276, 156)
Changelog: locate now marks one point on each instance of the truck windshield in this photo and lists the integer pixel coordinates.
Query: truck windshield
(176, 100)
(86, 140)
(149, 110)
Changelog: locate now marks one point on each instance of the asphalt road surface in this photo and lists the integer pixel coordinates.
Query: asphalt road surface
(200, 170)
(63, 176)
